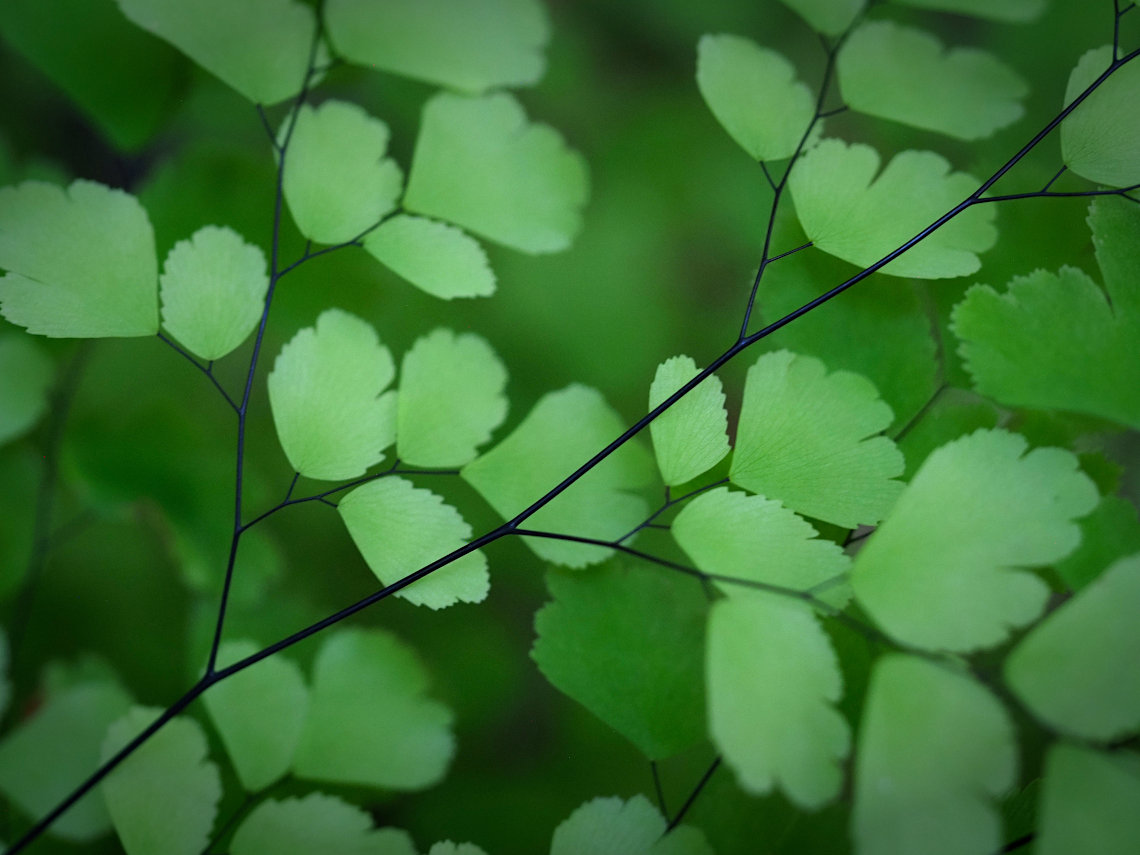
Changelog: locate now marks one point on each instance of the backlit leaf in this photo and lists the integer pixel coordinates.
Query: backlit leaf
(561, 433)
(469, 45)
(997, 10)
(337, 181)
(638, 669)
(1098, 139)
(26, 373)
(773, 680)
(213, 291)
(325, 392)
(259, 47)
(964, 92)
(808, 439)
(369, 722)
(451, 399)
(610, 826)
(850, 209)
(399, 528)
(259, 713)
(752, 538)
(437, 258)
(316, 823)
(1077, 670)
(1090, 802)
(754, 94)
(164, 797)
(1057, 340)
(978, 510)
(81, 261)
(830, 17)
(480, 164)
(446, 847)
(935, 752)
(691, 436)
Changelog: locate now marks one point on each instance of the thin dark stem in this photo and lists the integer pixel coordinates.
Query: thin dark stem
(666, 505)
(309, 255)
(922, 412)
(1020, 843)
(208, 370)
(1042, 194)
(658, 788)
(675, 821)
(1053, 180)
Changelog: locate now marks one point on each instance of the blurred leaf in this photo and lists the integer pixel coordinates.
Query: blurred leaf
(26, 374)
(610, 826)
(997, 10)
(1098, 139)
(1090, 802)
(100, 281)
(437, 258)
(830, 17)
(316, 823)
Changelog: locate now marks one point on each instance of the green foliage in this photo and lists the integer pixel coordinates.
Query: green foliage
(813, 588)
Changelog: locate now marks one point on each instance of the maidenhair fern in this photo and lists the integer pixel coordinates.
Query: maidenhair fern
(863, 579)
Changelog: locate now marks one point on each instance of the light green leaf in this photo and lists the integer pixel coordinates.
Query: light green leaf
(935, 752)
(754, 94)
(955, 413)
(480, 164)
(451, 399)
(1098, 139)
(26, 373)
(978, 510)
(324, 391)
(830, 17)
(213, 291)
(562, 432)
(337, 181)
(638, 669)
(1077, 669)
(757, 539)
(81, 261)
(691, 436)
(400, 528)
(965, 93)
(442, 260)
(259, 713)
(997, 10)
(316, 823)
(610, 826)
(164, 797)
(369, 722)
(1110, 531)
(849, 212)
(808, 439)
(44, 756)
(1056, 340)
(773, 680)
(446, 847)
(460, 44)
(1090, 802)
(259, 47)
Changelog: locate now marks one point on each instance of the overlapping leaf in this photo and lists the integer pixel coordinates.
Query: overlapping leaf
(316, 823)
(446, 847)
(337, 181)
(325, 392)
(610, 826)
(400, 528)
(369, 722)
(259, 713)
(480, 164)
(1098, 139)
(1076, 670)
(935, 752)
(965, 92)
(754, 94)
(808, 439)
(25, 377)
(259, 47)
(451, 399)
(1058, 341)
(755, 539)
(1090, 802)
(1110, 531)
(43, 757)
(691, 436)
(851, 210)
(773, 680)
(164, 797)
(978, 510)
(638, 669)
(213, 291)
(437, 258)
(81, 262)
(997, 10)
(561, 433)
(464, 45)
(830, 17)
